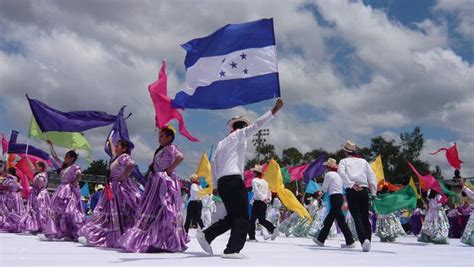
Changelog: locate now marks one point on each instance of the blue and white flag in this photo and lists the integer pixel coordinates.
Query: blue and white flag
(236, 65)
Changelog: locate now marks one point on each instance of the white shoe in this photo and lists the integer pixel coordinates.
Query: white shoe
(266, 237)
(348, 246)
(317, 242)
(275, 234)
(201, 237)
(234, 256)
(43, 237)
(252, 240)
(366, 246)
(83, 241)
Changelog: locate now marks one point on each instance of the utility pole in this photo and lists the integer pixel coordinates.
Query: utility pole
(259, 141)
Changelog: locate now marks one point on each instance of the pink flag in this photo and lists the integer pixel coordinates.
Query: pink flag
(296, 172)
(4, 144)
(451, 155)
(25, 192)
(429, 182)
(163, 110)
(249, 175)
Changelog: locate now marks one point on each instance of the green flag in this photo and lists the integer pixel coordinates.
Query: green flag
(448, 192)
(286, 175)
(71, 140)
(404, 198)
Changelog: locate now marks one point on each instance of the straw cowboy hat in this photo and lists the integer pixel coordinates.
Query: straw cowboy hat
(349, 146)
(257, 168)
(232, 121)
(98, 187)
(331, 163)
(194, 177)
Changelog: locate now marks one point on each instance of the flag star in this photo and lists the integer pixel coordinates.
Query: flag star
(243, 56)
(222, 73)
(234, 65)
(223, 60)
(246, 71)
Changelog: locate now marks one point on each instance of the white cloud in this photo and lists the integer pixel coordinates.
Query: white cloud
(464, 9)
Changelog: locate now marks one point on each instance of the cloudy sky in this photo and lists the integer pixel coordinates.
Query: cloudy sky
(348, 69)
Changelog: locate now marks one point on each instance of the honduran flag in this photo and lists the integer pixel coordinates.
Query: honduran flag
(236, 65)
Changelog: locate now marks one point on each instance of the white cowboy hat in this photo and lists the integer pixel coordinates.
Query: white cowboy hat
(257, 168)
(194, 177)
(231, 122)
(331, 163)
(349, 146)
(98, 187)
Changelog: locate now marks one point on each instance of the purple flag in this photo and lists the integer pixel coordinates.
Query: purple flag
(18, 148)
(50, 119)
(315, 169)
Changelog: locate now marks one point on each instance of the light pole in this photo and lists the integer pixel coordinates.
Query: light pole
(259, 141)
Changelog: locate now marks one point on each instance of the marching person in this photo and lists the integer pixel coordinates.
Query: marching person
(228, 167)
(194, 210)
(332, 185)
(359, 180)
(261, 196)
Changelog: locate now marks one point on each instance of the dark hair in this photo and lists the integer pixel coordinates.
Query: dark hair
(168, 132)
(72, 154)
(124, 144)
(239, 125)
(384, 190)
(41, 165)
(432, 194)
(12, 171)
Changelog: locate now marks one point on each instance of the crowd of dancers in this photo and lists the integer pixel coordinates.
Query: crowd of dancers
(152, 220)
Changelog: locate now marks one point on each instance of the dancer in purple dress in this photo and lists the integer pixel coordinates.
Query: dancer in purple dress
(13, 207)
(159, 222)
(66, 214)
(35, 218)
(114, 214)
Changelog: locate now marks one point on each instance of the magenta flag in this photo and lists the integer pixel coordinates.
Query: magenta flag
(4, 144)
(297, 172)
(429, 182)
(451, 155)
(163, 110)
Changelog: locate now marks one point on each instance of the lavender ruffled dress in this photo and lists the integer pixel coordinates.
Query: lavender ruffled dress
(111, 218)
(13, 208)
(66, 214)
(37, 206)
(159, 222)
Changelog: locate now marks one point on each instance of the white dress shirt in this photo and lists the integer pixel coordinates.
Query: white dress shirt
(229, 158)
(357, 171)
(194, 192)
(332, 183)
(469, 192)
(260, 190)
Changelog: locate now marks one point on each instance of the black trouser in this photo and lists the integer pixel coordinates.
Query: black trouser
(234, 196)
(193, 214)
(259, 211)
(358, 202)
(335, 212)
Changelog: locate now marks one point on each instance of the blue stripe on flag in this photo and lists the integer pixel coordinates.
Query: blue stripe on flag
(232, 37)
(230, 93)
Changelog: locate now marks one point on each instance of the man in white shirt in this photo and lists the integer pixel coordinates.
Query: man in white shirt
(261, 196)
(227, 169)
(332, 185)
(194, 210)
(359, 180)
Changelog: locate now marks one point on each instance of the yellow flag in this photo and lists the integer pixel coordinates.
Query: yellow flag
(204, 170)
(275, 182)
(377, 167)
(412, 184)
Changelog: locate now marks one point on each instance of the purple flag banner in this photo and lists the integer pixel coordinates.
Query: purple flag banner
(18, 148)
(315, 169)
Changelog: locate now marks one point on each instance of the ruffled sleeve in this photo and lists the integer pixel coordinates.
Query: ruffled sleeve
(167, 157)
(126, 160)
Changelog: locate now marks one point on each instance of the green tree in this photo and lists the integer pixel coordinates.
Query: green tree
(291, 156)
(313, 154)
(97, 167)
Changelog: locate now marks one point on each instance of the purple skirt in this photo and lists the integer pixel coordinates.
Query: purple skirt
(13, 210)
(158, 222)
(36, 214)
(111, 218)
(66, 214)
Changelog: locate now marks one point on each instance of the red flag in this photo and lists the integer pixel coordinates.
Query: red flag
(4, 144)
(163, 110)
(451, 155)
(25, 192)
(429, 182)
(297, 172)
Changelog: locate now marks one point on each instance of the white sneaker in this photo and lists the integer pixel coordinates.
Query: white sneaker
(252, 240)
(234, 256)
(201, 237)
(348, 246)
(317, 242)
(275, 234)
(43, 237)
(266, 237)
(366, 246)
(83, 241)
